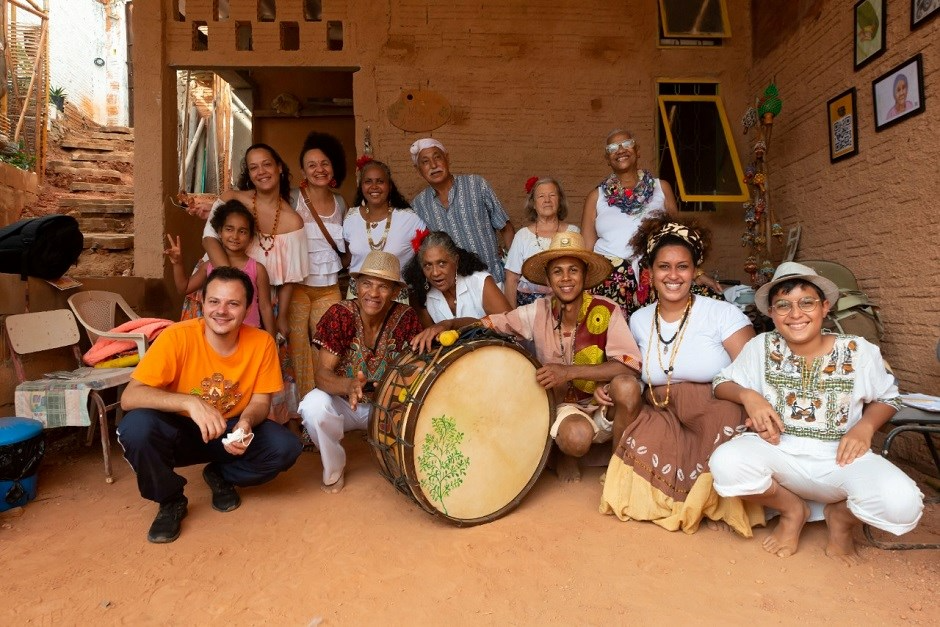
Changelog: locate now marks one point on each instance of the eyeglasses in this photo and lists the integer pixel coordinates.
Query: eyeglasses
(784, 307)
(627, 143)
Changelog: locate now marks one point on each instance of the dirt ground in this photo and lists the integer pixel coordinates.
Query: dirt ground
(293, 555)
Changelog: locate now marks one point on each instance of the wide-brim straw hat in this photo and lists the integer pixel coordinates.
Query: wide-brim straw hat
(567, 244)
(381, 265)
(791, 270)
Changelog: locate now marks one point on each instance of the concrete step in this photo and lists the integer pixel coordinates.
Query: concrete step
(79, 186)
(90, 144)
(96, 206)
(115, 137)
(96, 224)
(109, 241)
(119, 156)
(63, 167)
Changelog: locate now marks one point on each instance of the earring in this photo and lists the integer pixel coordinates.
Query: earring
(427, 286)
(333, 183)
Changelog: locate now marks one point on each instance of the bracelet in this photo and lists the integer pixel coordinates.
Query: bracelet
(699, 273)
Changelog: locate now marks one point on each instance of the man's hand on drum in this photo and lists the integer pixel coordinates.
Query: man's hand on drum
(354, 389)
(421, 343)
(552, 375)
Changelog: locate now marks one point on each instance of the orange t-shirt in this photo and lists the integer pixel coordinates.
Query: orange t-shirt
(181, 360)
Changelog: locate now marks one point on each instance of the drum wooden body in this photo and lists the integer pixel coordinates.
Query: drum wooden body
(464, 431)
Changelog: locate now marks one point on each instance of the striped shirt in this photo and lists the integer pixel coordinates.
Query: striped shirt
(472, 214)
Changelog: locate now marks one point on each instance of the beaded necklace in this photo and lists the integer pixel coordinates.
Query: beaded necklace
(663, 341)
(630, 201)
(262, 238)
(380, 245)
(567, 357)
(680, 334)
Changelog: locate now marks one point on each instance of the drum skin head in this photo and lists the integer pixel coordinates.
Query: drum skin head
(481, 437)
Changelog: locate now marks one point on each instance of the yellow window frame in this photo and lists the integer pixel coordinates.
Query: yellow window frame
(725, 33)
(729, 142)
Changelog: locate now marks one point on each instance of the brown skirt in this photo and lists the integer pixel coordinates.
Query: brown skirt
(660, 470)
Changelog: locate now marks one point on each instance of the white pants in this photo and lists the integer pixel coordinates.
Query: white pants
(327, 418)
(876, 491)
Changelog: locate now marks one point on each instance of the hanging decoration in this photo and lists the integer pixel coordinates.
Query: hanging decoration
(761, 227)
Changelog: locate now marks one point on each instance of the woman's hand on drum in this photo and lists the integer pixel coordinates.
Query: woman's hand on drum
(602, 396)
(354, 390)
(421, 343)
(552, 375)
(761, 417)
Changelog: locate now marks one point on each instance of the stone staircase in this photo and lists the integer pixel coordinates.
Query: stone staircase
(100, 195)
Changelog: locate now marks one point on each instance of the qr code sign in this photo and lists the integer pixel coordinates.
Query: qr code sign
(842, 133)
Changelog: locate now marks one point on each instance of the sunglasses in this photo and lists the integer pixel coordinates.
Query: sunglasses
(627, 143)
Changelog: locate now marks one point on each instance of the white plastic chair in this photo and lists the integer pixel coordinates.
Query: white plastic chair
(43, 331)
(96, 310)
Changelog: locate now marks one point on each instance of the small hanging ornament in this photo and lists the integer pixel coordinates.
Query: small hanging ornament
(749, 120)
(760, 149)
(767, 268)
(760, 181)
(750, 265)
(776, 230)
(770, 105)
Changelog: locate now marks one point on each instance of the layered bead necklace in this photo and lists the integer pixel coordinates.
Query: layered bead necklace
(675, 341)
(265, 241)
(380, 245)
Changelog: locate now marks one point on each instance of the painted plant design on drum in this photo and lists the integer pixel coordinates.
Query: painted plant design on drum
(441, 461)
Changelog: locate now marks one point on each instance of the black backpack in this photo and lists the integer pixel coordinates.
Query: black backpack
(43, 247)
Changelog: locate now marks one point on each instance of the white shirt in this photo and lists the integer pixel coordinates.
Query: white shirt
(614, 228)
(325, 264)
(469, 299)
(405, 223)
(701, 354)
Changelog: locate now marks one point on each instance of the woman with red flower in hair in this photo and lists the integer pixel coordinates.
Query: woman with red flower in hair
(546, 208)
(380, 219)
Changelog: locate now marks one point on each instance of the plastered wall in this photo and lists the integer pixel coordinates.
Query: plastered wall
(875, 212)
(18, 189)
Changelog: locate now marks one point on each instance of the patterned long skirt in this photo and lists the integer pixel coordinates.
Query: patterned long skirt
(660, 470)
(624, 288)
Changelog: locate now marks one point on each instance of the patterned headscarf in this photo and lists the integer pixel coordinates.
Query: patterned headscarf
(680, 231)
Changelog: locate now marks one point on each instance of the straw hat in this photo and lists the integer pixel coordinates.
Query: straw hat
(792, 270)
(381, 265)
(567, 244)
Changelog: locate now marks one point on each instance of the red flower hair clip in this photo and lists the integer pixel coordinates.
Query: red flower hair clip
(530, 183)
(420, 234)
(361, 161)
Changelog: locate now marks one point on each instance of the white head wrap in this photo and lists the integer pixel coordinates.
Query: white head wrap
(422, 144)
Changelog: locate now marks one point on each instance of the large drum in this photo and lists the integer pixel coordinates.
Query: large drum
(463, 431)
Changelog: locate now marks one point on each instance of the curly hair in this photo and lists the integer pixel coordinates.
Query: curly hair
(530, 212)
(467, 264)
(332, 148)
(244, 180)
(654, 224)
(232, 207)
(395, 198)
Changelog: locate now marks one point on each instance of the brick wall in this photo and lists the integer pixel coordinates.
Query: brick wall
(79, 32)
(874, 212)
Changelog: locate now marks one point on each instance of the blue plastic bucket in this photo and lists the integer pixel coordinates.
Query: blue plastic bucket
(21, 449)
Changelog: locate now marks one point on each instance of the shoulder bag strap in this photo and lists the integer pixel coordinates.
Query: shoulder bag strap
(316, 216)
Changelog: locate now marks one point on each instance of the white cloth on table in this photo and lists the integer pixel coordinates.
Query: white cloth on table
(327, 418)
(524, 245)
(469, 299)
(701, 355)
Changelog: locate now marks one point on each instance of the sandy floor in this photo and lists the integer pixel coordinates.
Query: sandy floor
(292, 555)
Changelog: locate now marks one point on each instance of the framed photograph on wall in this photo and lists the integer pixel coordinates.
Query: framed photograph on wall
(922, 11)
(843, 126)
(898, 94)
(869, 31)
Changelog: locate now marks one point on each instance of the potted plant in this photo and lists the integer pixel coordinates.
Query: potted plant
(57, 96)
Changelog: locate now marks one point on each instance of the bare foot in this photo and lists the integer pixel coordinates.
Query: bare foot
(841, 523)
(567, 469)
(336, 486)
(718, 525)
(785, 539)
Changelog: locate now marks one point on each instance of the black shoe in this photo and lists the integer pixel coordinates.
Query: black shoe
(166, 526)
(224, 496)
